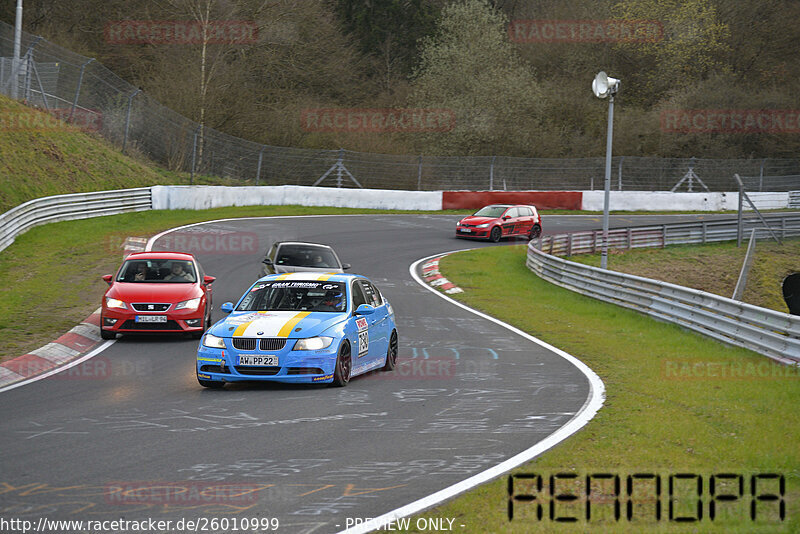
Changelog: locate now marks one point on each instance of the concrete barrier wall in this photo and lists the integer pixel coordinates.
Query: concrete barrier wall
(666, 201)
(200, 197)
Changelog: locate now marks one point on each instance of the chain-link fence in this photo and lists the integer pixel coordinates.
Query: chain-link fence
(51, 77)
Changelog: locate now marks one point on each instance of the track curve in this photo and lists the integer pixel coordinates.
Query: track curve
(468, 395)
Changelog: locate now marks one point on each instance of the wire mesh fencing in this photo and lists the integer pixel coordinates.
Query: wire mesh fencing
(80, 90)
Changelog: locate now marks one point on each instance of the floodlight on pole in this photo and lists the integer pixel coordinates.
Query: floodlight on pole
(604, 86)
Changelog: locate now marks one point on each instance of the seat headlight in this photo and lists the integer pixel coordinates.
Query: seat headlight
(190, 304)
(213, 342)
(313, 343)
(115, 303)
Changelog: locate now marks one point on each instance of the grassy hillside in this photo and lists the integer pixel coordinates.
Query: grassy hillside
(41, 156)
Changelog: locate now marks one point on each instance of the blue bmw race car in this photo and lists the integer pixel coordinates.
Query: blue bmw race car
(300, 327)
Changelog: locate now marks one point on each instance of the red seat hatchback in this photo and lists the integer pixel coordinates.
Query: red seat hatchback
(501, 220)
(157, 292)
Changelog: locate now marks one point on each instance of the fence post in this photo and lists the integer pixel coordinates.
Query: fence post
(78, 89)
(491, 174)
(128, 119)
(419, 174)
(619, 176)
(194, 155)
(739, 213)
(761, 176)
(260, 159)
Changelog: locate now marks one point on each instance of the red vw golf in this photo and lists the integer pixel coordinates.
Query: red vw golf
(501, 220)
(157, 292)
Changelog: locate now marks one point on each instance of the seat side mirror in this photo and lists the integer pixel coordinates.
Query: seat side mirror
(107, 278)
(207, 280)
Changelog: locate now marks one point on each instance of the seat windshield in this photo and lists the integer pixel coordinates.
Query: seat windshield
(295, 296)
(158, 271)
(491, 211)
(306, 256)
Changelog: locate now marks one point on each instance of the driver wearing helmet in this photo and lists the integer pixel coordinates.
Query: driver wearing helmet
(333, 300)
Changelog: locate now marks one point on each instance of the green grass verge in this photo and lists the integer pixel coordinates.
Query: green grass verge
(50, 276)
(660, 415)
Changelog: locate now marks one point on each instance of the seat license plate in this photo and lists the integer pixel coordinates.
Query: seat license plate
(151, 318)
(258, 361)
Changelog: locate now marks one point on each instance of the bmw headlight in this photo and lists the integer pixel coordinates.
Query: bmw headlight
(484, 225)
(313, 343)
(115, 303)
(213, 342)
(190, 304)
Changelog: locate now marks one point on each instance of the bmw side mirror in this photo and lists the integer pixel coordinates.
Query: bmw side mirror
(226, 307)
(346, 266)
(107, 278)
(266, 261)
(365, 309)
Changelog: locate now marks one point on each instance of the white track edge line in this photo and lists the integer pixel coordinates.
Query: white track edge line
(94, 352)
(589, 409)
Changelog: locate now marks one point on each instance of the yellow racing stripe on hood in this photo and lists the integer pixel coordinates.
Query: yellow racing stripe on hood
(241, 328)
(291, 323)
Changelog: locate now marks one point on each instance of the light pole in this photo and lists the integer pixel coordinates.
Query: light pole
(17, 46)
(603, 86)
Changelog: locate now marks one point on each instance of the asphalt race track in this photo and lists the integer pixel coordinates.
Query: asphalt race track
(468, 394)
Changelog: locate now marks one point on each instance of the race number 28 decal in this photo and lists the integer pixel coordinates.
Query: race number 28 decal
(363, 336)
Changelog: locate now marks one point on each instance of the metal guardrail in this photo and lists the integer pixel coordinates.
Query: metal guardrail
(69, 207)
(794, 200)
(768, 332)
(662, 235)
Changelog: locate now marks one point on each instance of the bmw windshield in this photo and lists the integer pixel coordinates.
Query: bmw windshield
(295, 296)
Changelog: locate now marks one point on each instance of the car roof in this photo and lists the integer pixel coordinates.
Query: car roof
(301, 243)
(312, 276)
(159, 255)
